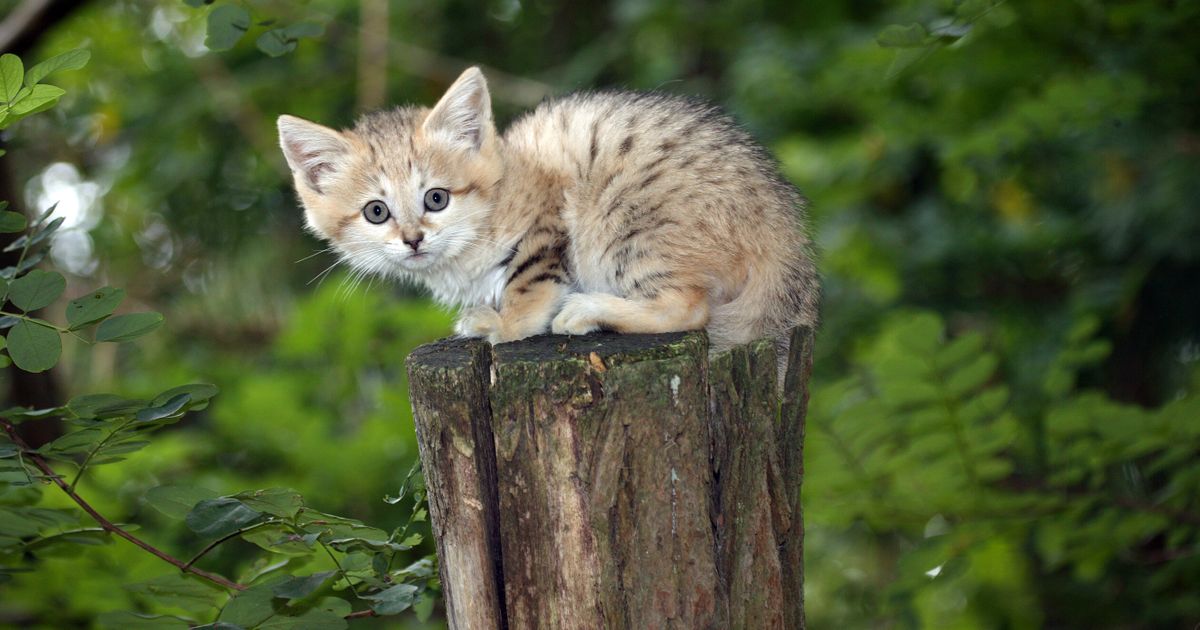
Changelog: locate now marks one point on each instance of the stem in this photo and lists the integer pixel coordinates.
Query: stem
(213, 545)
(107, 524)
(42, 322)
(340, 569)
(92, 453)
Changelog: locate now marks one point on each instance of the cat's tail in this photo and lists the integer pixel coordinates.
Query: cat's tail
(774, 300)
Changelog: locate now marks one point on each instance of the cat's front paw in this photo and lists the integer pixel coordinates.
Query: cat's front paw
(478, 321)
(579, 315)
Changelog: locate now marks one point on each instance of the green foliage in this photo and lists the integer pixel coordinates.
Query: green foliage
(921, 446)
(228, 23)
(23, 94)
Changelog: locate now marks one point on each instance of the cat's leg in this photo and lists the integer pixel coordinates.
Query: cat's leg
(667, 311)
(526, 311)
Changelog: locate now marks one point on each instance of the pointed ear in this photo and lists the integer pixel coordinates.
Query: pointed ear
(313, 152)
(464, 115)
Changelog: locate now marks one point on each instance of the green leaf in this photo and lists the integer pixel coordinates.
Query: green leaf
(972, 9)
(178, 589)
(37, 289)
(249, 607)
(304, 29)
(122, 620)
(21, 414)
(197, 3)
(40, 98)
(394, 600)
(281, 502)
(176, 501)
(34, 347)
(219, 517)
(313, 619)
(226, 25)
(93, 307)
(423, 607)
(103, 406)
(200, 393)
(902, 36)
(12, 71)
(70, 60)
(165, 410)
(300, 587)
(12, 221)
(275, 43)
(126, 327)
(280, 539)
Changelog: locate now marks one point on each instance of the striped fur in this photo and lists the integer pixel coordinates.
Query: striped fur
(631, 212)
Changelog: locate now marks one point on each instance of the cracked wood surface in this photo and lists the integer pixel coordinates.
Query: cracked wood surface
(614, 481)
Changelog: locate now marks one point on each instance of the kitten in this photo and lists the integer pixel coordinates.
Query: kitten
(633, 212)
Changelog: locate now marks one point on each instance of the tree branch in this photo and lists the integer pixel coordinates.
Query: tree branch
(107, 524)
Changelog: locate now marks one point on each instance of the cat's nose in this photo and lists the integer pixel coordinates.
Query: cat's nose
(415, 241)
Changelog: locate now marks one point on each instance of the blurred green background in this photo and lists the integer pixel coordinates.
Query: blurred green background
(1004, 425)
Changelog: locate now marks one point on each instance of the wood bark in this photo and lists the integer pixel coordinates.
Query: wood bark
(615, 481)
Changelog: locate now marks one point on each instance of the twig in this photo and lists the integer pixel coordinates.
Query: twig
(213, 545)
(107, 524)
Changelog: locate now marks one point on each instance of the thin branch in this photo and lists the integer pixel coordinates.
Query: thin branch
(107, 524)
(213, 545)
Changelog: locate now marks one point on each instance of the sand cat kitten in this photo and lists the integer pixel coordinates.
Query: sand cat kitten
(623, 211)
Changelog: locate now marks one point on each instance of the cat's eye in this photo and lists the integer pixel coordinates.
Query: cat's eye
(436, 199)
(376, 212)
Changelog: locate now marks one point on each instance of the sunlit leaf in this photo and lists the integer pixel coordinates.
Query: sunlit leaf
(70, 60)
(40, 98)
(12, 72)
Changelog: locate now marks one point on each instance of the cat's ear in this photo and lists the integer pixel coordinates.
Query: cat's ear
(313, 152)
(464, 115)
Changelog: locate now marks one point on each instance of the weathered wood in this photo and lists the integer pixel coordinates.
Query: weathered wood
(635, 481)
(448, 388)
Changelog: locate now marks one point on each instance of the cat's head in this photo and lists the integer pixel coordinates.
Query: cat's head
(408, 189)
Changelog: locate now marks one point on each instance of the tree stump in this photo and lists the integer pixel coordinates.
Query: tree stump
(614, 481)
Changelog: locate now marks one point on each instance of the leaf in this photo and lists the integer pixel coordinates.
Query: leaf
(902, 36)
(972, 9)
(40, 98)
(12, 221)
(394, 600)
(125, 327)
(122, 620)
(165, 410)
(304, 29)
(176, 501)
(200, 394)
(37, 289)
(21, 414)
(226, 25)
(249, 607)
(300, 587)
(12, 71)
(219, 517)
(34, 347)
(275, 43)
(103, 406)
(70, 60)
(282, 502)
(313, 619)
(280, 539)
(178, 589)
(93, 307)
